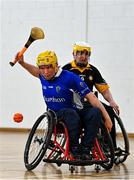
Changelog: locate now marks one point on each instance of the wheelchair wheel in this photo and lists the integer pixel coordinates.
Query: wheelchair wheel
(122, 150)
(38, 141)
(107, 147)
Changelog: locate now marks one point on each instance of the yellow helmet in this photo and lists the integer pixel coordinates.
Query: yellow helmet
(81, 46)
(47, 58)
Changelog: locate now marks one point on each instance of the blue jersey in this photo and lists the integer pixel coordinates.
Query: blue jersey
(58, 93)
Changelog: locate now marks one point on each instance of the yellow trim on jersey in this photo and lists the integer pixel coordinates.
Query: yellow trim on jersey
(73, 64)
(101, 87)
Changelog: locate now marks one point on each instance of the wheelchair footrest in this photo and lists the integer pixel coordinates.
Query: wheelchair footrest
(76, 162)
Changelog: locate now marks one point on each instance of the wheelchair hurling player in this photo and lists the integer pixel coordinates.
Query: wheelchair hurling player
(90, 74)
(53, 144)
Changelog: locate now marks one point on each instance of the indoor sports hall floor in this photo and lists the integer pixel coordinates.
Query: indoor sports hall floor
(12, 167)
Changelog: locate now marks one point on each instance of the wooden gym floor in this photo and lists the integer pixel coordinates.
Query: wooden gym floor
(12, 167)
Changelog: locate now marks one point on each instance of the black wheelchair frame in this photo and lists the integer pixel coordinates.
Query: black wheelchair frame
(48, 140)
(122, 150)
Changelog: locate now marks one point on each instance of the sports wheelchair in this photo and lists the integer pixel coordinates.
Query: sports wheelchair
(48, 140)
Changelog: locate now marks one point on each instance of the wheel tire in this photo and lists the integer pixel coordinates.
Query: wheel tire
(42, 141)
(125, 149)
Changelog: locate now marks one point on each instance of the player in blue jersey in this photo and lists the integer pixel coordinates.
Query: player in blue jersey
(60, 89)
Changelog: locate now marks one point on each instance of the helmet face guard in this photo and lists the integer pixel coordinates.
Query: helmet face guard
(47, 58)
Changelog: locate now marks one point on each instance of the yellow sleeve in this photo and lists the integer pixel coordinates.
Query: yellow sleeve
(101, 87)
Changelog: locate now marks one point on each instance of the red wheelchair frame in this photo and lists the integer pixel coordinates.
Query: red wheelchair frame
(54, 146)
